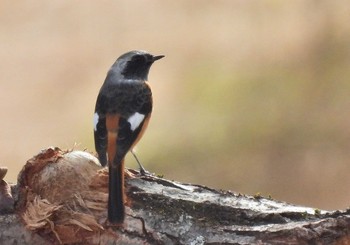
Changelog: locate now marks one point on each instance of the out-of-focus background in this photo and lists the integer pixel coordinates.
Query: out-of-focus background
(253, 96)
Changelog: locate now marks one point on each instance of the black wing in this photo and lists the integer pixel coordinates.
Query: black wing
(129, 135)
(100, 130)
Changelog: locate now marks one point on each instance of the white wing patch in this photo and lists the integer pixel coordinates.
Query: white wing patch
(96, 117)
(135, 120)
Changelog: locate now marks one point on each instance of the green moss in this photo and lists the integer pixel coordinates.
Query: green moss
(258, 195)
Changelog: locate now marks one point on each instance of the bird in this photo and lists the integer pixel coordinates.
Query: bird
(122, 113)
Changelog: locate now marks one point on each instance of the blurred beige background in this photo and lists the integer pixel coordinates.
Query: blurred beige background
(253, 96)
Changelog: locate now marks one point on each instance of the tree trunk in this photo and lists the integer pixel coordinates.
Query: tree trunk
(61, 197)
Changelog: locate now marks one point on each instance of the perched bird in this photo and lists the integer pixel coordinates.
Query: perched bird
(123, 110)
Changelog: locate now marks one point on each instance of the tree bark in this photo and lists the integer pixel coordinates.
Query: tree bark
(61, 197)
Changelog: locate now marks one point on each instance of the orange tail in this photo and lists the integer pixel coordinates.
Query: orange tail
(116, 209)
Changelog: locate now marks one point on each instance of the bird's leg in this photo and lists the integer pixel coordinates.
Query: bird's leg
(143, 171)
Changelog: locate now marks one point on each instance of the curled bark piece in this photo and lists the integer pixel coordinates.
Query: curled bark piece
(6, 199)
(3, 172)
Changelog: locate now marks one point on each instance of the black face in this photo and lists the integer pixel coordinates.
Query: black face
(137, 65)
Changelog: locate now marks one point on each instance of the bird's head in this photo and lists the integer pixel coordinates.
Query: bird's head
(135, 64)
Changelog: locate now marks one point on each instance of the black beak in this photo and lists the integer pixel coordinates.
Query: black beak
(158, 57)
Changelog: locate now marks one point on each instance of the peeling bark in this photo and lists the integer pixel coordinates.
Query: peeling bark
(61, 198)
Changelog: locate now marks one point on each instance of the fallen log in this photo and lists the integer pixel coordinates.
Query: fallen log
(61, 198)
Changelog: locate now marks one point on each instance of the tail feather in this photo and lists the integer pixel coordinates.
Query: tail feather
(116, 209)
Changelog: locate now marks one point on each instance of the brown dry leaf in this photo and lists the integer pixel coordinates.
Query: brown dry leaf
(38, 212)
(96, 205)
(76, 222)
(52, 226)
(85, 221)
(95, 196)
